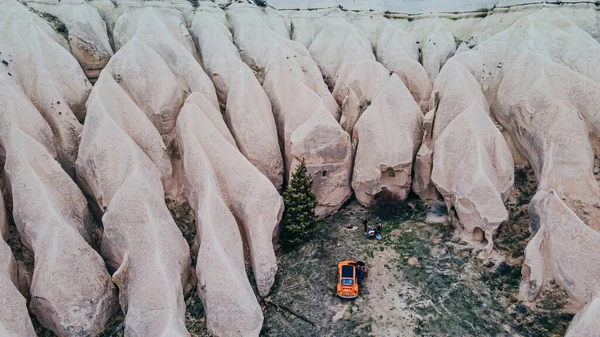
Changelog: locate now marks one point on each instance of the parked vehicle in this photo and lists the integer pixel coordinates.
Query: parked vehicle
(350, 275)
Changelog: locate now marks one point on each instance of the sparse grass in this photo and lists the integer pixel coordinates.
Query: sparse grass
(456, 293)
(184, 218)
(40, 330)
(549, 316)
(115, 326)
(453, 302)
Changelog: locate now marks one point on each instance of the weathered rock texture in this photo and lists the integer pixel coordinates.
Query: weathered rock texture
(391, 131)
(222, 188)
(436, 47)
(14, 317)
(544, 107)
(472, 166)
(345, 57)
(71, 291)
(549, 111)
(123, 163)
(303, 107)
(38, 60)
(248, 109)
(546, 32)
(453, 94)
(387, 137)
(85, 30)
(586, 323)
(563, 249)
(398, 52)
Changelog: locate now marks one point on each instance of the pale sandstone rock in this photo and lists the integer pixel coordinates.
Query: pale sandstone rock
(437, 47)
(340, 49)
(544, 108)
(322, 143)
(304, 119)
(140, 236)
(454, 91)
(47, 73)
(546, 32)
(256, 38)
(398, 52)
(308, 24)
(14, 317)
(339, 42)
(278, 21)
(383, 160)
(123, 159)
(357, 86)
(473, 171)
(373, 25)
(53, 220)
(563, 249)
(86, 33)
(304, 31)
(231, 310)
(255, 204)
(248, 109)
(156, 38)
(585, 323)
(164, 30)
(423, 163)
(386, 139)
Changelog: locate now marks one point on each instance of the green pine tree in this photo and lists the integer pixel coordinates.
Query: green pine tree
(299, 221)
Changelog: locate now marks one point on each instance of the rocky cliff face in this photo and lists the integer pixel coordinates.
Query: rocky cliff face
(109, 107)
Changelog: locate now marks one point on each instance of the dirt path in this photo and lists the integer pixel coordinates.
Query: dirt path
(385, 297)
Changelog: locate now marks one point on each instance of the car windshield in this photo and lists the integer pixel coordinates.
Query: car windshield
(347, 282)
(348, 271)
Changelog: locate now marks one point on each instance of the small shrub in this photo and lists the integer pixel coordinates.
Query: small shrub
(299, 221)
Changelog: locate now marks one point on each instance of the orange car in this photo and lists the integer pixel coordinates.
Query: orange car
(347, 286)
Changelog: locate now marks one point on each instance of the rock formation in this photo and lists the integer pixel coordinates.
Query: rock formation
(436, 47)
(546, 32)
(398, 52)
(14, 317)
(86, 32)
(53, 220)
(453, 93)
(471, 165)
(559, 250)
(547, 110)
(585, 323)
(303, 107)
(544, 107)
(222, 188)
(248, 109)
(386, 137)
(123, 163)
(38, 60)
(345, 57)
(392, 131)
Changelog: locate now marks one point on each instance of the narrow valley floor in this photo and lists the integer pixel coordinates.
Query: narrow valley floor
(424, 281)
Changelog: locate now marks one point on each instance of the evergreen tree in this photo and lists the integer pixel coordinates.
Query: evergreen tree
(299, 221)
